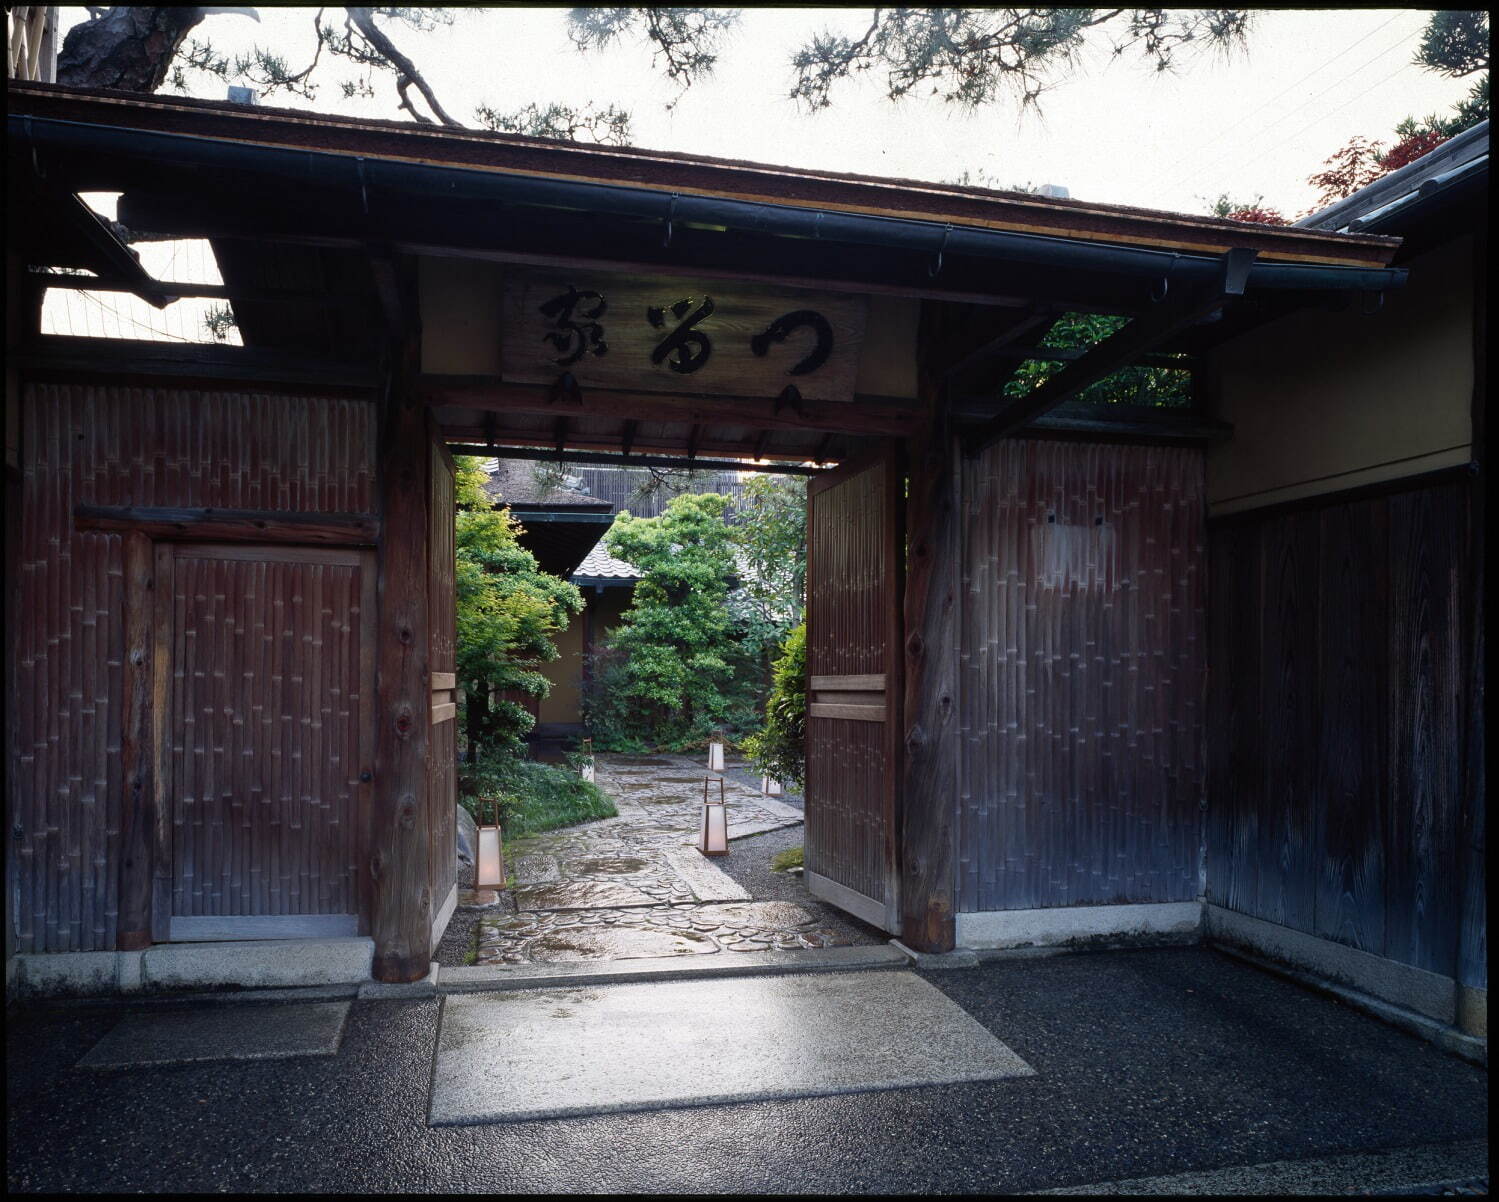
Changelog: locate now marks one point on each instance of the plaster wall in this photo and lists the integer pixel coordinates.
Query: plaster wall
(1322, 402)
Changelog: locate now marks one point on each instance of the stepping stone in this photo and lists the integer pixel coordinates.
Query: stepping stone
(605, 866)
(548, 1053)
(221, 1032)
(616, 943)
(581, 895)
(477, 898)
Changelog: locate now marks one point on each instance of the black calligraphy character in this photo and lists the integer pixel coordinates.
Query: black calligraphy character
(692, 346)
(783, 327)
(574, 337)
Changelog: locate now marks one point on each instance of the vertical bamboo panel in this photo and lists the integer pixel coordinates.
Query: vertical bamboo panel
(1083, 667)
(84, 444)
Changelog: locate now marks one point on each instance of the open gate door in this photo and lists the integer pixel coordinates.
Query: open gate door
(855, 554)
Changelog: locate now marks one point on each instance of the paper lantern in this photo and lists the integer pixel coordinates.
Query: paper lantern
(713, 837)
(769, 786)
(489, 868)
(715, 757)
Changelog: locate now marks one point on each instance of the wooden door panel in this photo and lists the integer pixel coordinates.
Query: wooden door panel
(269, 694)
(854, 569)
(442, 769)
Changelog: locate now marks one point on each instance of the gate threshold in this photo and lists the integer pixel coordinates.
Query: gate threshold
(490, 977)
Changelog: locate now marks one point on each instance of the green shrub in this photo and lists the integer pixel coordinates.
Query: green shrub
(790, 858)
(778, 750)
(533, 797)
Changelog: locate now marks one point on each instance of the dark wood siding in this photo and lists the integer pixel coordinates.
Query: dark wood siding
(1337, 731)
(85, 444)
(1082, 664)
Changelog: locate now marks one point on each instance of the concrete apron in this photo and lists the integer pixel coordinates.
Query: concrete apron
(1423, 1004)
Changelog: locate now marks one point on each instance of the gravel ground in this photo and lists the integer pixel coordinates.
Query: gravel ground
(748, 862)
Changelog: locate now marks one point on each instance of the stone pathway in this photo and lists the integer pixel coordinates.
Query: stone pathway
(635, 886)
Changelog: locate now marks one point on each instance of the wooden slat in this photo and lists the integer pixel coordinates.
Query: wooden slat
(445, 712)
(866, 682)
(444, 680)
(136, 752)
(221, 525)
(858, 713)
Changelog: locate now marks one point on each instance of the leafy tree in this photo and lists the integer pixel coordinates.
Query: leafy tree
(769, 533)
(968, 56)
(1152, 384)
(1242, 210)
(1454, 44)
(779, 748)
(508, 612)
(676, 641)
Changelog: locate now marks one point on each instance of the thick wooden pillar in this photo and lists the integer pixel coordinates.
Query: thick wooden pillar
(933, 575)
(400, 835)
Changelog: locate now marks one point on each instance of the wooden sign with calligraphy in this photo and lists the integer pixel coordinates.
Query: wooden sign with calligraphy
(676, 334)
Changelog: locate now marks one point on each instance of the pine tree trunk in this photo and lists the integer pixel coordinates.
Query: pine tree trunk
(128, 48)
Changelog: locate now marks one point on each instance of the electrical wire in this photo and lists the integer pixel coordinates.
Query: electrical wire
(1218, 137)
(1201, 169)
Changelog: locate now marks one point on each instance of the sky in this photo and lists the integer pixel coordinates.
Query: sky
(1114, 130)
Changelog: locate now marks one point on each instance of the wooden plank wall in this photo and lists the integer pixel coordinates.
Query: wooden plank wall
(269, 704)
(90, 444)
(1082, 675)
(849, 606)
(442, 786)
(1335, 712)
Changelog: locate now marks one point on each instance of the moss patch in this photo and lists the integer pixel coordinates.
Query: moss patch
(790, 858)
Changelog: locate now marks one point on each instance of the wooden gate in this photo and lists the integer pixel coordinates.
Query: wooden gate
(855, 553)
(442, 750)
(266, 666)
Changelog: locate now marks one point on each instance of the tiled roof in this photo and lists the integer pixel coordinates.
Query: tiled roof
(598, 564)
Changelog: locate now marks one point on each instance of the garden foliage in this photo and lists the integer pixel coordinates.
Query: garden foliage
(671, 663)
(778, 749)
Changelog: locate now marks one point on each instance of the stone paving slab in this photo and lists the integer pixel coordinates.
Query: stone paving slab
(243, 1032)
(543, 937)
(553, 1053)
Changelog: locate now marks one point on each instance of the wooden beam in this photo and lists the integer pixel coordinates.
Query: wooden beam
(627, 437)
(137, 765)
(232, 525)
(178, 289)
(401, 890)
(115, 357)
(862, 416)
(114, 256)
(932, 586)
(575, 456)
(1119, 351)
(477, 436)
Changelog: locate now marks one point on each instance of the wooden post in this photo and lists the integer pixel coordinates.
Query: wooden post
(933, 572)
(1472, 943)
(137, 835)
(400, 837)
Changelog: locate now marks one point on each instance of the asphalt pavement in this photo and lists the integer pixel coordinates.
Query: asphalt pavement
(1147, 1063)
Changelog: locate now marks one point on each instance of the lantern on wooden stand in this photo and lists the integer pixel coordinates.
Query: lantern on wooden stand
(715, 756)
(588, 759)
(713, 837)
(489, 860)
(770, 787)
